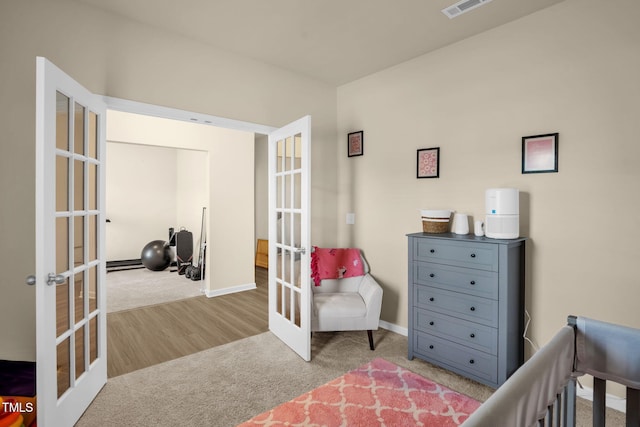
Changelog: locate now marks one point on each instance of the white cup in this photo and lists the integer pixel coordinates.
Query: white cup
(478, 228)
(461, 224)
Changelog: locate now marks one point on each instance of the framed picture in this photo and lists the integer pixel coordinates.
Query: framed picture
(355, 144)
(540, 153)
(428, 165)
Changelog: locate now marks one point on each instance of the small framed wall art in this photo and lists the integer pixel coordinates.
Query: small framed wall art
(355, 144)
(428, 165)
(540, 153)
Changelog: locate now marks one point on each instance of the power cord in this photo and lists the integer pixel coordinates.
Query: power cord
(526, 328)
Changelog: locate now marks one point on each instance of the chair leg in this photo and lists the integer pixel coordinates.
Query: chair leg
(370, 333)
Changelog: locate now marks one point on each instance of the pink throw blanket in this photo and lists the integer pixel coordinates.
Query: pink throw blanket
(335, 263)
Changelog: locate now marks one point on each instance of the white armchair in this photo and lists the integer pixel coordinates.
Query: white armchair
(347, 304)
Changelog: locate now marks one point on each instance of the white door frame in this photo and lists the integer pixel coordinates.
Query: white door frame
(142, 108)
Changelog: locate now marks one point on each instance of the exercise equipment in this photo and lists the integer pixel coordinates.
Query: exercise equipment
(156, 255)
(184, 250)
(196, 272)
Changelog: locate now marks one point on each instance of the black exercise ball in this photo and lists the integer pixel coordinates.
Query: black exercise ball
(156, 255)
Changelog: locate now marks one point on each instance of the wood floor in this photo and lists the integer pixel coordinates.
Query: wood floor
(146, 336)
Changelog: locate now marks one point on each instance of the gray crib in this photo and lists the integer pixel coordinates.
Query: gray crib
(542, 392)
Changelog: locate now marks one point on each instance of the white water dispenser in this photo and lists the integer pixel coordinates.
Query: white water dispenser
(503, 213)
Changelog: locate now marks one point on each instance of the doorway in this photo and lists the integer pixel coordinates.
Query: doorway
(185, 164)
(150, 192)
(150, 189)
(229, 184)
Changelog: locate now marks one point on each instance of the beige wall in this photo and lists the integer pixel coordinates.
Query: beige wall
(141, 201)
(113, 56)
(572, 69)
(150, 189)
(193, 191)
(261, 188)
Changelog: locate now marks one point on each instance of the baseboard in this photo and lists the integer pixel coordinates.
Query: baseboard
(231, 290)
(394, 328)
(613, 402)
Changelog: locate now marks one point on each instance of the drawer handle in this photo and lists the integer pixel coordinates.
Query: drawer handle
(432, 299)
(433, 251)
(432, 275)
(431, 323)
(473, 309)
(473, 282)
(472, 335)
(472, 361)
(431, 347)
(473, 255)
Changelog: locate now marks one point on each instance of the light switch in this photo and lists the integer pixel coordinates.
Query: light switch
(351, 218)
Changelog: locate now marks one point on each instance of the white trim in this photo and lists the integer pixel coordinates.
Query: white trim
(231, 290)
(394, 328)
(136, 107)
(613, 402)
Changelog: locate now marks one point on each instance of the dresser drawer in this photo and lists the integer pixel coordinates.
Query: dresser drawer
(480, 337)
(474, 362)
(468, 307)
(462, 254)
(475, 282)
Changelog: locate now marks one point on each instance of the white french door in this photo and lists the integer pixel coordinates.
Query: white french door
(289, 235)
(70, 264)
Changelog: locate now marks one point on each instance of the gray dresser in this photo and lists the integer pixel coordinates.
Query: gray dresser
(466, 304)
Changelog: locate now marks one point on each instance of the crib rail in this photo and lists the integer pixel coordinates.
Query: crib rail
(562, 412)
(543, 391)
(528, 394)
(609, 352)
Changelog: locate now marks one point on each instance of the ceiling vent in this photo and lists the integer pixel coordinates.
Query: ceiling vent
(462, 7)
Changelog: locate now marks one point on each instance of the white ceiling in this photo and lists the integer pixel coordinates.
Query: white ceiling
(335, 41)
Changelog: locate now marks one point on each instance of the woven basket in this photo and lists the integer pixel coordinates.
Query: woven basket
(429, 225)
(435, 221)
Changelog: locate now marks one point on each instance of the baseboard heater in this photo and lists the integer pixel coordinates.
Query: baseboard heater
(124, 264)
(128, 264)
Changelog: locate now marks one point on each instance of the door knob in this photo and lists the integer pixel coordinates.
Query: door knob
(52, 279)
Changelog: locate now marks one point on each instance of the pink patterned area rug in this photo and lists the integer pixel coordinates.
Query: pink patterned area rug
(376, 394)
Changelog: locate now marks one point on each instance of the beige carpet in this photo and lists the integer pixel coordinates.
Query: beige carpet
(229, 384)
(129, 289)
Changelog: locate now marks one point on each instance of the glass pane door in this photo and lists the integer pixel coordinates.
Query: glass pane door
(69, 228)
(288, 209)
(289, 237)
(76, 240)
